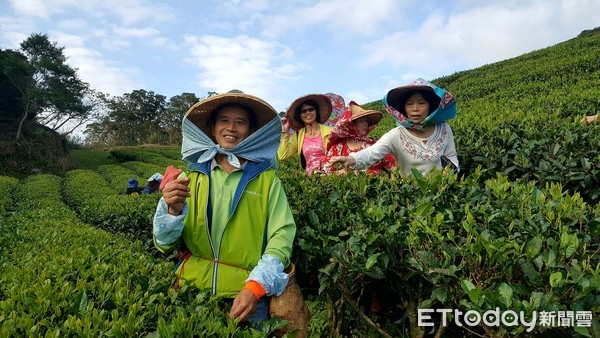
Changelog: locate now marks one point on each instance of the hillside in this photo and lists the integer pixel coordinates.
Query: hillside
(517, 230)
(562, 80)
(40, 150)
(520, 117)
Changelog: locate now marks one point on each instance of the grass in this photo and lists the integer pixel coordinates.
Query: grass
(91, 159)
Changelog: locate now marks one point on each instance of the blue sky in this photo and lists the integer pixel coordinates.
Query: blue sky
(280, 50)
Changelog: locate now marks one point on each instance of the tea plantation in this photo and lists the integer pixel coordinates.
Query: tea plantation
(517, 229)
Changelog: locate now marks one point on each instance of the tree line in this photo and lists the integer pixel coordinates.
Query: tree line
(37, 85)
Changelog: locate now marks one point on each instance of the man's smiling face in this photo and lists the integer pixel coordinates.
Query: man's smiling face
(232, 125)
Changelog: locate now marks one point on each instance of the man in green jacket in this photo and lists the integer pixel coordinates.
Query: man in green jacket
(229, 210)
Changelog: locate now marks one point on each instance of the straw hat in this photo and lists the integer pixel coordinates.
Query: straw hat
(199, 113)
(324, 109)
(373, 116)
(397, 96)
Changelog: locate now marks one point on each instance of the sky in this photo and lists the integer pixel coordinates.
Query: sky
(280, 50)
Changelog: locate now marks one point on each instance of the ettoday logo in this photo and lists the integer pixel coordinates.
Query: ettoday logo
(508, 318)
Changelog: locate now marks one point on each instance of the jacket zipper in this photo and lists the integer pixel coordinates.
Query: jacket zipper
(212, 249)
(215, 255)
(234, 205)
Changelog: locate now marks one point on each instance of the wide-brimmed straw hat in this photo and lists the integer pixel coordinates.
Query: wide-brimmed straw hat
(200, 113)
(395, 96)
(324, 109)
(373, 116)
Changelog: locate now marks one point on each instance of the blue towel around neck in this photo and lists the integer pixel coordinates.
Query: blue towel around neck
(260, 146)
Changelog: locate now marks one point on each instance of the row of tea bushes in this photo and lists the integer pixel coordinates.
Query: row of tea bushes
(96, 203)
(423, 242)
(144, 169)
(556, 152)
(433, 233)
(148, 156)
(61, 278)
(117, 176)
(561, 79)
(172, 153)
(444, 242)
(520, 117)
(7, 186)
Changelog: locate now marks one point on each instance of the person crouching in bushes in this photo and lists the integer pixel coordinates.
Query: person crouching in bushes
(132, 187)
(422, 140)
(351, 134)
(306, 116)
(230, 212)
(153, 183)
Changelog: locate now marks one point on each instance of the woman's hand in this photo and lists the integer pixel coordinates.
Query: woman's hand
(340, 162)
(175, 193)
(243, 305)
(285, 124)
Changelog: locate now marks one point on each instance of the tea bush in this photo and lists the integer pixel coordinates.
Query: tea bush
(441, 241)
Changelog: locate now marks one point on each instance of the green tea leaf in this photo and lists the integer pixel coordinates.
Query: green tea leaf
(572, 246)
(506, 294)
(80, 302)
(425, 209)
(555, 278)
(466, 285)
(372, 260)
(550, 258)
(143, 281)
(415, 264)
(582, 330)
(312, 216)
(440, 294)
(533, 247)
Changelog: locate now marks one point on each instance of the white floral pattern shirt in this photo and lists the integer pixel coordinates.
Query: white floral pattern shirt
(411, 151)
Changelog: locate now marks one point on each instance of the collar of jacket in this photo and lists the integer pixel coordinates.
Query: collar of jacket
(251, 171)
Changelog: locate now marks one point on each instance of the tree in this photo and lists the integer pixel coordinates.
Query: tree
(15, 72)
(47, 87)
(170, 121)
(132, 119)
(95, 103)
(96, 134)
(17, 76)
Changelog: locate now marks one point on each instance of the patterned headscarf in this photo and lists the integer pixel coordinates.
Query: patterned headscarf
(345, 129)
(338, 108)
(444, 111)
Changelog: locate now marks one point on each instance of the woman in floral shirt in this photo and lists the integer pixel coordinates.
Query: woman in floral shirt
(422, 140)
(350, 134)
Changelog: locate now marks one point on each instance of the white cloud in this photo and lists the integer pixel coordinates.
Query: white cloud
(93, 68)
(37, 8)
(254, 66)
(246, 7)
(110, 43)
(164, 43)
(125, 32)
(14, 31)
(478, 35)
(344, 18)
(78, 24)
(132, 12)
